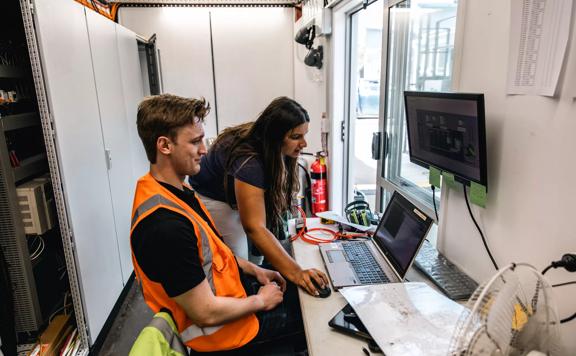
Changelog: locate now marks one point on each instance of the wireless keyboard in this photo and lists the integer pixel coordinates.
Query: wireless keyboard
(444, 274)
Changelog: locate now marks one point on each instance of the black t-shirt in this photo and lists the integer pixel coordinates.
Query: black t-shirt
(165, 246)
(209, 181)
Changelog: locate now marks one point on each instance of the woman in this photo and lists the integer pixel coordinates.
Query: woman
(248, 179)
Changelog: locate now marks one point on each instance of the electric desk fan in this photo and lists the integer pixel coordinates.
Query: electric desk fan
(511, 314)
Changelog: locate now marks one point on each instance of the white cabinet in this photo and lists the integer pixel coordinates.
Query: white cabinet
(81, 67)
(115, 131)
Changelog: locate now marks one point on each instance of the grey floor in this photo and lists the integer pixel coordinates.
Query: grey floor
(134, 315)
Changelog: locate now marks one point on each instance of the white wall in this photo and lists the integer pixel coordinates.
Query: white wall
(253, 61)
(531, 164)
(310, 88)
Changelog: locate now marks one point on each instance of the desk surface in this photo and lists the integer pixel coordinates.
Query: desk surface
(316, 312)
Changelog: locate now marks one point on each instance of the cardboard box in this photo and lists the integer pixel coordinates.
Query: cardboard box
(54, 335)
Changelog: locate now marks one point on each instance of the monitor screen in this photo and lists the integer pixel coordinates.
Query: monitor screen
(401, 232)
(447, 131)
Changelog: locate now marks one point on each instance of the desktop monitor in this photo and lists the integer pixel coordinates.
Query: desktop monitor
(447, 131)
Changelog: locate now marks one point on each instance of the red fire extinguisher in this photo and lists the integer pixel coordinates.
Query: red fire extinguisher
(319, 184)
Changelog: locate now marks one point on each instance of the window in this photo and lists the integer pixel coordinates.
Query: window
(420, 47)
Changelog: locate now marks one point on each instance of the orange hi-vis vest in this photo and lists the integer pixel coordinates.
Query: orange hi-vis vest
(218, 263)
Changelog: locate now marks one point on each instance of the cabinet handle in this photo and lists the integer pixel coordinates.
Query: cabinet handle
(108, 155)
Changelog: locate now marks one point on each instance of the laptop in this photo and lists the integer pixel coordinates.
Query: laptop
(384, 258)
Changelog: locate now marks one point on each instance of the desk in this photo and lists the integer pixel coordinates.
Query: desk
(316, 312)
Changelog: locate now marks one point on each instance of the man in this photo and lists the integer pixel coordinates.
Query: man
(178, 255)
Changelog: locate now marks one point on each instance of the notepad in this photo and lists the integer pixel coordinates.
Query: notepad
(406, 318)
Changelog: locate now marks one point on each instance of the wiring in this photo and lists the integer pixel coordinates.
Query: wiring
(39, 249)
(570, 318)
(546, 269)
(480, 231)
(304, 233)
(434, 202)
(563, 284)
(64, 307)
(553, 265)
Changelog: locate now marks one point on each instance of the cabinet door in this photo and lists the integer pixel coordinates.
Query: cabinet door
(106, 63)
(132, 86)
(183, 40)
(65, 55)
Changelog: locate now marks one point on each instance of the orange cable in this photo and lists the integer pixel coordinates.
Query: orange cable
(305, 236)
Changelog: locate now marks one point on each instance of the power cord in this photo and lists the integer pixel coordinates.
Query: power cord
(434, 202)
(563, 284)
(568, 262)
(480, 231)
(573, 316)
(304, 233)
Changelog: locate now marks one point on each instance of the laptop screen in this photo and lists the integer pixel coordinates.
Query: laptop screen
(401, 231)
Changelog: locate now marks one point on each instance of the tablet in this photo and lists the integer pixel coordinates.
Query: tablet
(347, 322)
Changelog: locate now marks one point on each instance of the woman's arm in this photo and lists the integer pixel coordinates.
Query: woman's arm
(252, 209)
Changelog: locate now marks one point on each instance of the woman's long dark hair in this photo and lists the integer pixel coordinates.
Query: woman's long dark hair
(264, 138)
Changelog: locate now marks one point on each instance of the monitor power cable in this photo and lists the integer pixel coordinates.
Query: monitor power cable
(479, 230)
(434, 203)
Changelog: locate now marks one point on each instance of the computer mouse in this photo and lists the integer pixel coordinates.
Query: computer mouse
(322, 292)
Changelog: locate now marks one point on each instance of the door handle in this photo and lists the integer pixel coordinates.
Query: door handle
(376, 141)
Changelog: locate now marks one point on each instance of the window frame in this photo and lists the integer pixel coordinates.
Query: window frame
(385, 186)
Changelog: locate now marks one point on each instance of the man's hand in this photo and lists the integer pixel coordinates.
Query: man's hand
(270, 295)
(266, 276)
(304, 280)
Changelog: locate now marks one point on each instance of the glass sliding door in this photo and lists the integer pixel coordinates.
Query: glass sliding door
(420, 47)
(365, 59)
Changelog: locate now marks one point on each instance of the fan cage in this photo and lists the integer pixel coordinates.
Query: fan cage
(510, 314)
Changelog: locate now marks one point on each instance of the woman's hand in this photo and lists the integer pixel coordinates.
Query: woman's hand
(304, 279)
(266, 276)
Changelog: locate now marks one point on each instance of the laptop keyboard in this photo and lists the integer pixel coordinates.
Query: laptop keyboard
(444, 274)
(364, 263)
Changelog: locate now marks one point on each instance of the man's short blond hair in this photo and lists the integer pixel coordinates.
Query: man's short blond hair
(163, 115)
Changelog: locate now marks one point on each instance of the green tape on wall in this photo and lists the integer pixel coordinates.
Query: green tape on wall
(448, 179)
(478, 194)
(434, 177)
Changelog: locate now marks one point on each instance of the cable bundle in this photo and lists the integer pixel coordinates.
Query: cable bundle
(304, 233)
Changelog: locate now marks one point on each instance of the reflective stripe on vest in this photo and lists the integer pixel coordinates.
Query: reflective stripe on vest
(169, 334)
(157, 200)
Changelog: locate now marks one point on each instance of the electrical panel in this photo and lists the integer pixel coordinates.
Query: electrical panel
(36, 204)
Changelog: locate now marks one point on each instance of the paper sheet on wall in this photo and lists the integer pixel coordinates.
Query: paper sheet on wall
(406, 318)
(539, 31)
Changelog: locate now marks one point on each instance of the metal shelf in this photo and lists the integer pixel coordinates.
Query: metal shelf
(7, 71)
(19, 121)
(31, 166)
